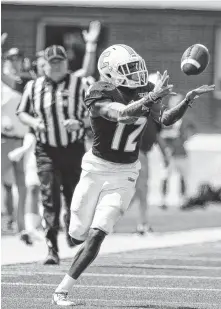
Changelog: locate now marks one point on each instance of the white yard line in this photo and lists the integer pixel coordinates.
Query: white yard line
(60, 273)
(114, 287)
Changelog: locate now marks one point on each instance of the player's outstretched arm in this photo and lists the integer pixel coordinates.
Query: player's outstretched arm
(172, 115)
(118, 112)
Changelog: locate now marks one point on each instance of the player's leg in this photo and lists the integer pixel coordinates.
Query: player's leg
(165, 186)
(8, 179)
(20, 183)
(22, 194)
(8, 202)
(32, 216)
(113, 201)
(9, 145)
(83, 206)
(182, 167)
(141, 193)
(84, 257)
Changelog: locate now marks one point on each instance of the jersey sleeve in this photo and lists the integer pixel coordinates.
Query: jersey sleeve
(98, 92)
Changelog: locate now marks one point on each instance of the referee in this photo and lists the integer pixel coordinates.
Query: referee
(53, 107)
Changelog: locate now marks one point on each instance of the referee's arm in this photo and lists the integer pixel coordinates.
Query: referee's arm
(90, 37)
(25, 108)
(89, 62)
(86, 82)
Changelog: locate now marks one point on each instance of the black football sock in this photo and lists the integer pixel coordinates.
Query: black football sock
(87, 253)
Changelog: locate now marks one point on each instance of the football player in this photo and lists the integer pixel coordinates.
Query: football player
(119, 105)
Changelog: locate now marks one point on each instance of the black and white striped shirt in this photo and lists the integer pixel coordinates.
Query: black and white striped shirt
(53, 103)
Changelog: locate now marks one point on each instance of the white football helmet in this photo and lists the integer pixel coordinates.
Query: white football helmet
(120, 65)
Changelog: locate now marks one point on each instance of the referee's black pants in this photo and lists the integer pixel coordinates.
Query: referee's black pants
(57, 167)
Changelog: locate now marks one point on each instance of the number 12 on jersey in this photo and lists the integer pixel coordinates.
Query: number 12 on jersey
(130, 143)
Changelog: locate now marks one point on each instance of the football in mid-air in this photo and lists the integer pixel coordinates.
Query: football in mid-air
(195, 59)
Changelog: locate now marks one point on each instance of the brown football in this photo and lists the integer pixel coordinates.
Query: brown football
(195, 59)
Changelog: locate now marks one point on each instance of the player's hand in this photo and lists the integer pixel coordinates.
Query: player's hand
(93, 33)
(39, 125)
(195, 93)
(157, 95)
(162, 89)
(72, 125)
(162, 80)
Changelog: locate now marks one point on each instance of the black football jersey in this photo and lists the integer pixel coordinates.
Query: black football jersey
(114, 141)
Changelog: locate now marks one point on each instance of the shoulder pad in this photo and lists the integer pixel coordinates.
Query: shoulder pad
(98, 91)
(103, 86)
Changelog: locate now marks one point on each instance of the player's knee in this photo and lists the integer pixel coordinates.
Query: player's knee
(76, 241)
(77, 232)
(95, 237)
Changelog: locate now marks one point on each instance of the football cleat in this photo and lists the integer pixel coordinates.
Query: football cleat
(122, 66)
(61, 299)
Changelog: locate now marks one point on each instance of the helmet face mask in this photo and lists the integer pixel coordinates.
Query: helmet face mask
(135, 73)
(122, 66)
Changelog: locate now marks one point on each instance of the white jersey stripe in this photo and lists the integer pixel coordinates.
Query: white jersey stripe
(26, 97)
(37, 104)
(71, 105)
(53, 104)
(60, 115)
(47, 101)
